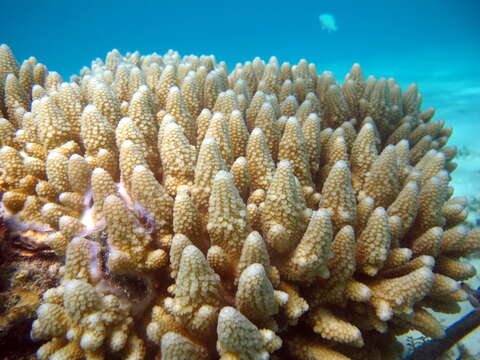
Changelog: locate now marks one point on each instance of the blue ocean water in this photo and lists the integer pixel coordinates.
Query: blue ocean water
(379, 34)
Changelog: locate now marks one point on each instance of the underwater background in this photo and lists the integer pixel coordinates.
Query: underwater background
(434, 43)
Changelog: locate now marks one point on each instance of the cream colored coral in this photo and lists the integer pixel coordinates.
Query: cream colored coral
(175, 106)
(332, 328)
(129, 242)
(338, 196)
(97, 133)
(399, 294)
(292, 147)
(312, 351)
(250, 181)
(178, 158)
(154, 201)
(284, 215)
(78, 172)
(373, 243)
(308, 261)
(239, 339)
(131, 156)
(53, 129)
(254, 251)
(197, 292)
(175, 346)
(81, 320)
(209, 162)
(254, 283)
(13, 170)
(186, 219)
(259, 160)
(228, 223)
(81, 261)
(57, 172)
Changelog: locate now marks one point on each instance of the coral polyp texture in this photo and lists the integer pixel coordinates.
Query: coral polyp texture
(266, 212)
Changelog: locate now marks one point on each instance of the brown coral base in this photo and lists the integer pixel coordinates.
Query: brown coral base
(27, 269)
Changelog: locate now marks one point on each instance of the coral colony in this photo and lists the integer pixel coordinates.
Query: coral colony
(266, 212)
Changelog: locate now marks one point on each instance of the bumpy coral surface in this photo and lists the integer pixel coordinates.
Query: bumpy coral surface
(266, 212)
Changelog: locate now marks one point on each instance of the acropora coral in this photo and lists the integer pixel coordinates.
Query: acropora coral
(266, 212)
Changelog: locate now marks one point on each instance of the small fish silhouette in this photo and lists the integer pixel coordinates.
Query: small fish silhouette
(328, 22)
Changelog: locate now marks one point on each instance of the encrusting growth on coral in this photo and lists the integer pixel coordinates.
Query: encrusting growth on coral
(266, 212)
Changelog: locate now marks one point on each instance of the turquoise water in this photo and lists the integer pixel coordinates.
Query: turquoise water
(379, 34)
